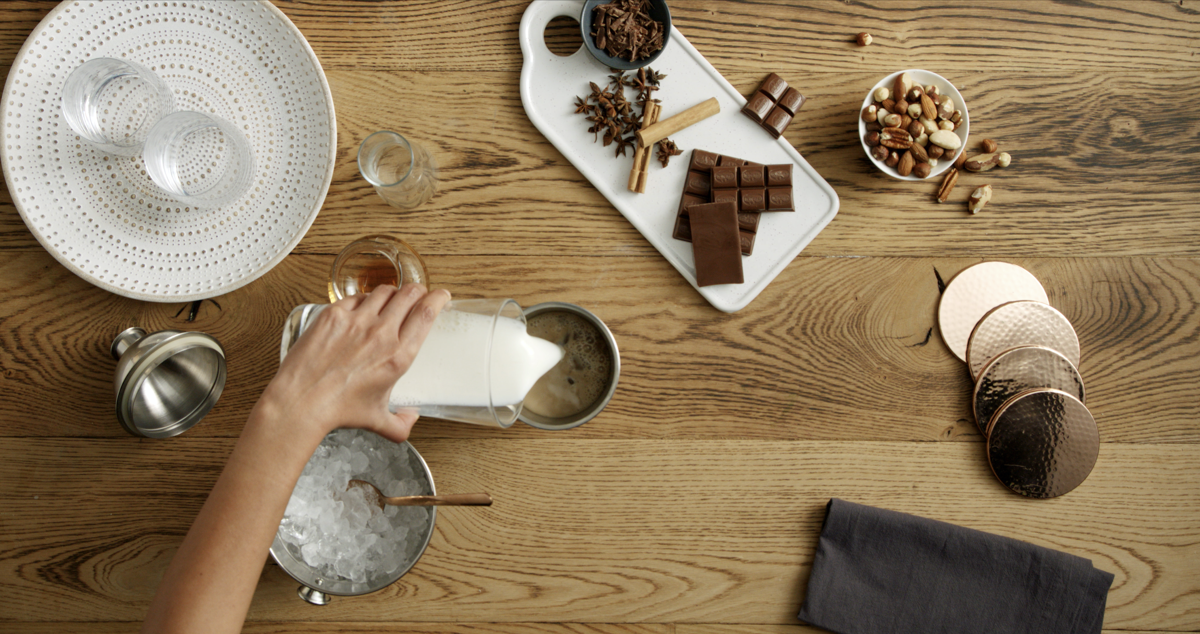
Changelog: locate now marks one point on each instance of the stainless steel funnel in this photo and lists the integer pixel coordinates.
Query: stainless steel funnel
(167, 381)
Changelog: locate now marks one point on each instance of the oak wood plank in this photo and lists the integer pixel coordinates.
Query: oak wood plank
(653, 531)
(835, 348)
(454, 628)
(781, 35)
(1099, 168)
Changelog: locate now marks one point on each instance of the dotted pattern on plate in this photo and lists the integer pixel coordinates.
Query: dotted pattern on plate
(100, 215)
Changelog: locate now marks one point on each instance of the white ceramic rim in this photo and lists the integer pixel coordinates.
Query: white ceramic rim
(215, 292)
(925, 78)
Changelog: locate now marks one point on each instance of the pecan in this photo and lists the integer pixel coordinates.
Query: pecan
(948, 184)
(895, 138)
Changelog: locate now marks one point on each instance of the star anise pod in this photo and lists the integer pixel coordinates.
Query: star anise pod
(581, 106)
(667, 149)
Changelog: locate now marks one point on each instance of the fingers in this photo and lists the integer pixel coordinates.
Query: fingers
(416, 326)
(376, 300)
(401, 303)
(350, 303)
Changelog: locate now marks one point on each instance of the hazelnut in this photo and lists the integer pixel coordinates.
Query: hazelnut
(874, 126)
(935, 151)
(1004, 160)
(915, 94)
(922, 170)
(881, 94)
(892, 120)
(915, 128)
(932, 91)
(872, 139)
(892, 159)
(922, 140)
(864, 39)
(880, 153)
(988, 146)
(870, 113)
(901, 106)
(914, 110)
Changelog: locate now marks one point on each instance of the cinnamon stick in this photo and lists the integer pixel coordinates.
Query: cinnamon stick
(667, 127)
(641, 156)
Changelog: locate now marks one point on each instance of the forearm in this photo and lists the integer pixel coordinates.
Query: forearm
(210, 582)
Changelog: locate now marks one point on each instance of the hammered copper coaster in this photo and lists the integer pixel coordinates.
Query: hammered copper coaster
(1023, 323)
(1019, 370)
(977, 290)
(1043, 444)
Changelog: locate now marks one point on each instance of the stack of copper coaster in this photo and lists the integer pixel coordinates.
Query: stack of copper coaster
(1029, 397)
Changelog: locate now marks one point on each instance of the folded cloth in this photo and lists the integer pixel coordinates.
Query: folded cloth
(882, 572)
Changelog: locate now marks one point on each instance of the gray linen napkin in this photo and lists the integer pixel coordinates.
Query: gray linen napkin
(883, 572)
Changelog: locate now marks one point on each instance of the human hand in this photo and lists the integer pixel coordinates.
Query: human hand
(341, 371)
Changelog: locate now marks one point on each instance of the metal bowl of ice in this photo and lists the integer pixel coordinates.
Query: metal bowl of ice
(332, 540)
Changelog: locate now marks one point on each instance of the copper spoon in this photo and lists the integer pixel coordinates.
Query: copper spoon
(459, 499)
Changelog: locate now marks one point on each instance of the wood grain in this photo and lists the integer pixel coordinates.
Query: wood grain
(1114, 178)
(621, 531)
(455, 628)
(836, 348)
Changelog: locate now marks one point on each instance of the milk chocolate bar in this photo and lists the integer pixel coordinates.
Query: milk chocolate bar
(716, 244)
(755, 187)
(698, 190)
(773, 105)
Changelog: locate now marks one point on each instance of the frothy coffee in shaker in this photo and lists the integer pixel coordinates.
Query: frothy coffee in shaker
(581, 377)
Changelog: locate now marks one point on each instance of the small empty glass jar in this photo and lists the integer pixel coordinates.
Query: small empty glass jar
(404, 174)
(373, 261)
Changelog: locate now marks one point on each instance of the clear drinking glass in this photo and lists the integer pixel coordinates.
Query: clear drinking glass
(373, 261)
(199, 159)
(476, 365)
(113, 103)
(404, 174)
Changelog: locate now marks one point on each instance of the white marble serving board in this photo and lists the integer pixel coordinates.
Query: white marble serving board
(549, 85)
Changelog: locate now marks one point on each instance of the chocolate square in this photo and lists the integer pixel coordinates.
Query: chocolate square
(698, 183)
(773, 86)
(746, 241)
(702, 160)
(779, 175)
(791, 101)
(753, 200)
(725, 161)
(688, 200)
(777, 122)
(748, 222)
(758, 106)
(724, 177)
(751, 176)
(780, 199)
(716, 244)
(725, 196)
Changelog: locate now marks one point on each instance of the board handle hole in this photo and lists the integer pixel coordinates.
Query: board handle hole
(563, 37)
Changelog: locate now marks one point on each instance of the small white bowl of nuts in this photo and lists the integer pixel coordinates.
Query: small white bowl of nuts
(925, 129)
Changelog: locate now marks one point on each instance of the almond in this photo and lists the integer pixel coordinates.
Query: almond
(919, 153)
(905, 167)
(927, 105)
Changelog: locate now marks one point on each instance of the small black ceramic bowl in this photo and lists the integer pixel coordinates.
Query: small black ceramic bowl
(658, 11)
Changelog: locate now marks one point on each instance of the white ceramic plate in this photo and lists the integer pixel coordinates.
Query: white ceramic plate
(925, 78)
(101, 216)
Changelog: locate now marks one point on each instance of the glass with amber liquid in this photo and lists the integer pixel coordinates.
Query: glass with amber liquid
(373, 261)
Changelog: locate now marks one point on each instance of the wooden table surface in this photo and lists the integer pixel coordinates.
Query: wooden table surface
(693, 503)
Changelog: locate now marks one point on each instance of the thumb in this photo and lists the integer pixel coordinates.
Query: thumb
(396, 427)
